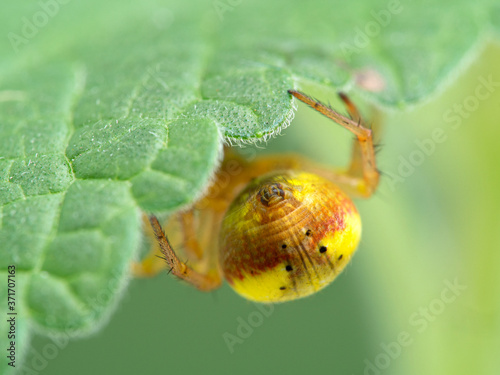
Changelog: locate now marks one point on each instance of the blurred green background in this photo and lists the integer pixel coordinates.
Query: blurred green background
(439, 222)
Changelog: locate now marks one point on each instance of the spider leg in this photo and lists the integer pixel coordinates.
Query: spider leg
(192, 247)
(204, 273)
(202, 281)
(356, 164)
(153, 262)
(362, 176)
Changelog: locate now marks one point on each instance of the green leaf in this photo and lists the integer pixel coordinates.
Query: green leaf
(109, 108)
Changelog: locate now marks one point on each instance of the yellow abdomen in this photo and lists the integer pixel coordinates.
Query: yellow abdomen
(286, 236)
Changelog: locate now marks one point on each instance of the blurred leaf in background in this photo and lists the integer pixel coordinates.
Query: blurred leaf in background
(110, 108)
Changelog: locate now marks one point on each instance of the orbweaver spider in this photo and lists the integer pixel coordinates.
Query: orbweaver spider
(288, 233)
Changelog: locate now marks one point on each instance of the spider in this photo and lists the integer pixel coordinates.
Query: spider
(284, 234)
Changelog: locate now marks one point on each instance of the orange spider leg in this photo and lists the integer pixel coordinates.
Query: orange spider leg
(191, 245)
(363, 160)
(356, 164)
(151, 264)
(154, 262)
(203, 281)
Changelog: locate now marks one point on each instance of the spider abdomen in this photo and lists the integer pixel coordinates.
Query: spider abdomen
(286, 236)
